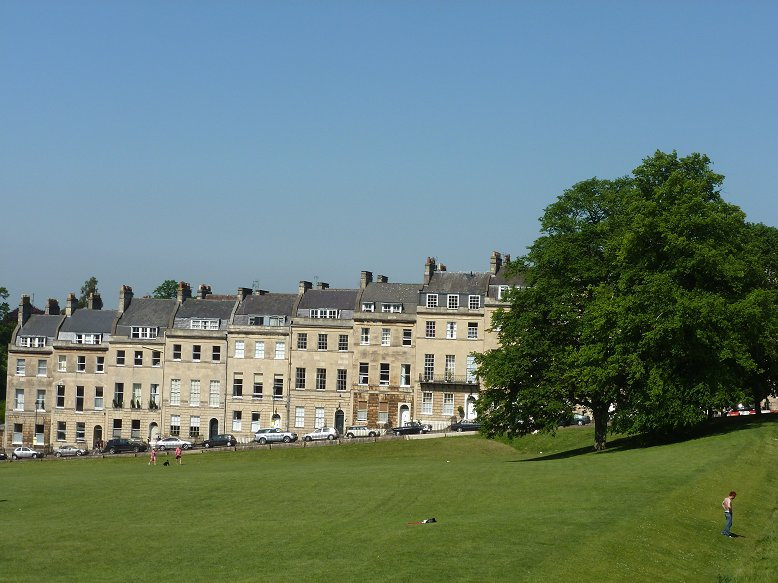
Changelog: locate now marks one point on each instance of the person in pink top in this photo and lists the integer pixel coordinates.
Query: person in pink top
(726, 504)
(153, 456)
(178, 455)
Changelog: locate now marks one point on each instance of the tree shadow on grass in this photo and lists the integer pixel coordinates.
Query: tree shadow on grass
(718, 426)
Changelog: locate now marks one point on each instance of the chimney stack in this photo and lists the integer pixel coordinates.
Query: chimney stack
(243, 293)
(184, 292)
(25, 309)
(382, 279)
(303, 287)
(52, 307)
(203, 291)
(71, 304)
(495, 263)
(429, 269)
(125, 297)
(322, 285)
(365, 278)
(95, 302)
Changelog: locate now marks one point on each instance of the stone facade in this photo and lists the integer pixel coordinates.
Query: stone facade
(376, 355)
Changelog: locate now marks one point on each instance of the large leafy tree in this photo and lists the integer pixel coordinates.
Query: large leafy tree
(634, 306)
(167, 289)
(6, 329)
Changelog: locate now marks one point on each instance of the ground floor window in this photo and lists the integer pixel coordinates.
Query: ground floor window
(383, 412)
(175, 424)
(299, 416)
(61, 430)
(81, 432)
(255, 421)
(362, 411)
(135, 428)
(194, 426)
(426, 403)
(117, 428)
(319, 417)
(38, 435)
(18, 433)
(237, 420)
(448, 403)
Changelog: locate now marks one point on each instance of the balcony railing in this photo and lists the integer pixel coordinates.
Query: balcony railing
(446, 378)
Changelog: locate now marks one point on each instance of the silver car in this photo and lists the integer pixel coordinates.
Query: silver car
(26, 452)
(69, 450)
(362, 431)
(274, 435)
(322, 433)
(172, 443)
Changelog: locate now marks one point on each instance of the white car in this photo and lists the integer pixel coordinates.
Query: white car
(362, 431)
(172, 443)
(26, 452)
(322, 433)
(69, 450)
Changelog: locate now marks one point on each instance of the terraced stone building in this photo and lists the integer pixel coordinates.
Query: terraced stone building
(197, 365)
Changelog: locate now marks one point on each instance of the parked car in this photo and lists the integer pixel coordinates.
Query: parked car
(26, 452)
(172, 443)
(411, 428)
(329, 433)
(69, 451)
(274, 435)
(3, 455)
(461, 426)
(119, 445)
(220, 440)
(361, 431)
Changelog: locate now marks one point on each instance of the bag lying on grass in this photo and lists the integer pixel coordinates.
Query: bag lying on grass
(425, 521)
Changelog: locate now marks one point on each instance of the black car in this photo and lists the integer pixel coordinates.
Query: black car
(410, 428)
(220, 440)
(120, 445)
(461, 426)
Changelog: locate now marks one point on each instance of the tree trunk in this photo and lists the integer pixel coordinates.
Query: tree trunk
(600, 413)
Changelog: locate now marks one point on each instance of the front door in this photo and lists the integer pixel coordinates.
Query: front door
(153, 432)
(339, 425)
(97, 435)
(470, 409)
(405, 414)
(213, 428)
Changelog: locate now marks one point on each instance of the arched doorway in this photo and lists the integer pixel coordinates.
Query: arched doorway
(97, 435)
(153, 431)
(470, 412)
(405, 414)
(275, 421)
(213, 428)
(339, 418)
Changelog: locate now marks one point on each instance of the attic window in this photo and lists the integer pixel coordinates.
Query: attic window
(144, 332)
(89, 338)
(203, 324)
(256, 320)
(31, 341)
(392, 308)
(277, 320)
(324, 313)
(368, 307)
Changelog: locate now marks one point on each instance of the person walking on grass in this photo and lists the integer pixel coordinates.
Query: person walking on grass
(727, 506)
(178, 455)
(152, 456)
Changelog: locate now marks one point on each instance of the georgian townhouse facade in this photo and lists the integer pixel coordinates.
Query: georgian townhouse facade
(197, 365)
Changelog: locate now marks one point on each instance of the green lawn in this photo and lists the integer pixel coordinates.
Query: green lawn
(335, 514)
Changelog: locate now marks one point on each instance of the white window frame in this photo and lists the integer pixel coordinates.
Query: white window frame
(432, 300)
(19, 400)
(368, 306)
(451, 365)
(472, 330)
(299, 416)
(89, 338)
(429, 329)
(204, 324)
(194, 426)
(470, 369)
(426, 403)
(256, 421)
(21, 367)
(237, 420)
(42, 367)
(364, 373)
(407, 336)
(342, 342)
(386, 337)
(81, 363)
(392, 308)
(100, 364)
(321, 379)
(405, 375)
(62, 363)
(175, 392)
(474, 302)
(364, 337)
(259, 349)
(383, 374)
(240, 349)
(341, 382)
(99, 398)
(280, 350)
(451, 330)
(318, 419)
(214, 393)
(452, 301)
(194, 392)
(448, 404)
(144, 332)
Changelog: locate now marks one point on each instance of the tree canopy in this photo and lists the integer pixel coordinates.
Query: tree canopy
(167, 289)
(637, 301)
(89, 288)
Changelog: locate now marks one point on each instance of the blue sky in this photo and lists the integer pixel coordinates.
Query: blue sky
(232, 142)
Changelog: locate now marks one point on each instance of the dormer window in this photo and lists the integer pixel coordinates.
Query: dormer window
(453, 301)
(502, 290)
(324, 313)
(256, 320)
(392, 308)
(31, 341)
(277, 320)
(89, 338)
(474, 302)
(144, 332)
(204, 324)
(368, 307)
(432, 300)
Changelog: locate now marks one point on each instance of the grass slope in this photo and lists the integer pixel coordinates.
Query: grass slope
(339, 513)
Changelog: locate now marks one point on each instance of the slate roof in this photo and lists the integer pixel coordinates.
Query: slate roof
(501, 278)
(207, 308)
(41, 325)
(404, 293)
(458, 282)
(336, 299)
(148, 312)
(267, 304)
(90, 321)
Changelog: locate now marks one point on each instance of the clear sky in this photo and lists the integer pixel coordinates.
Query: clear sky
(232, 142)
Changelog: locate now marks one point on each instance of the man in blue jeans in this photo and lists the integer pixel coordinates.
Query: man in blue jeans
(727, 506)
